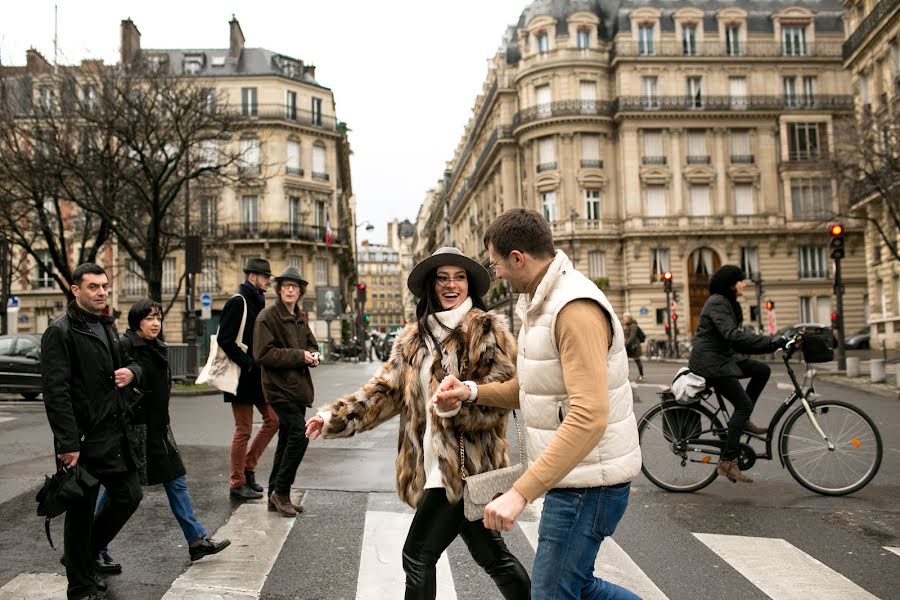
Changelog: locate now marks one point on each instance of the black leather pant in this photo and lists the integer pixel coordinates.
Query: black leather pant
(435, 525)
(743, 400)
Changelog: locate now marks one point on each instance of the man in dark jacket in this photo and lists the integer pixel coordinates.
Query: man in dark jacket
(252, 295)
(83, 371)
(285, 348)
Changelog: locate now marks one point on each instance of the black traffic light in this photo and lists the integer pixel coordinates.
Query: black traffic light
(667, 281)
(837, 241)
(770, 305)
(361, 292)
(835, 320)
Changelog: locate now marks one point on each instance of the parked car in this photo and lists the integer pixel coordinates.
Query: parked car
(384, 346)
(20, 365)
(858, 340)
(810, 328)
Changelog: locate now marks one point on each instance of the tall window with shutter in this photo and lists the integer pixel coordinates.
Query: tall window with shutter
(743, 199)
(740, 146)
(659, 263)
(542, 100)
(548, 203)
(293, 158)
(596, 264)
(169, 276)
(593, 210)
(293, 214)
(249, 214)
(700, 204)
(249, 107)
(653, 148)
(750, 261)
(695, 91)
(588, 95)
(696, 147)
(322, 272)
(318, 162)
(650, 91)
(546, 154)
(655, 201)
(209, 274)
(737, 86)
(590, 151)
(249, 155)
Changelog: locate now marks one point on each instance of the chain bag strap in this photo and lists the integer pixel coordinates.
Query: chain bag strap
(482, 488)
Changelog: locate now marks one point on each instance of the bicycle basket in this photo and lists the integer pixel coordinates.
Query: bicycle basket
(681, 424)
(817, 347)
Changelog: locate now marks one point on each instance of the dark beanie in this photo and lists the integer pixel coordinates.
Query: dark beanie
(725, 279)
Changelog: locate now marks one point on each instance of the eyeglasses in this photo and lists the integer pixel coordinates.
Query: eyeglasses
(493, 264)
(290, 286)
(445, 280)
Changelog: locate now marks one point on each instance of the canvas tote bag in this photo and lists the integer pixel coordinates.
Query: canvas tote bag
(221, 372)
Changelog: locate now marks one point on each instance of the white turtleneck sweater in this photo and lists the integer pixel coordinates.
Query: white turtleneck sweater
(450, 319)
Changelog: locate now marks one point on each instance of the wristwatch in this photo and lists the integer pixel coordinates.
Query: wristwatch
(473, 391)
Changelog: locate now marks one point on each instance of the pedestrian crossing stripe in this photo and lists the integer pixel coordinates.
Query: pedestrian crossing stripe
(781, 570)
(238, 572)
(35, 586)
(893, 549)
(381, 575)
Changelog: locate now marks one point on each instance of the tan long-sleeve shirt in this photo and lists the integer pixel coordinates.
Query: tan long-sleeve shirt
(583, 335)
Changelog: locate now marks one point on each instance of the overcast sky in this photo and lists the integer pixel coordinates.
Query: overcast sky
(405, 73)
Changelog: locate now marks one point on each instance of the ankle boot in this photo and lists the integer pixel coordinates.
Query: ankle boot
(730, 469)
(283, 504)
(250, 477)
(755, 429)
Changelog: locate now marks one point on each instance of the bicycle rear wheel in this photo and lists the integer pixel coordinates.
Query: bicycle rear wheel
(852, 463)
(675, 456)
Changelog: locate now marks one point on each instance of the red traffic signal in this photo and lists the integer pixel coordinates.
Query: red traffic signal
(770, 305)
(667, 276)
(360, 286)
(667, 281)
(361, 292)
(837, 229)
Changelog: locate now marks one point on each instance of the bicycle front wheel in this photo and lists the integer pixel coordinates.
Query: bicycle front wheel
(675, 445)
(849, 465)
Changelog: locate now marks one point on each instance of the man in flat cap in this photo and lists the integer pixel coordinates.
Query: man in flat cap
(244, 307)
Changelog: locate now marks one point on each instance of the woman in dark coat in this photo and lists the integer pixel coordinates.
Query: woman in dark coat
(717, 354)
(152, 442)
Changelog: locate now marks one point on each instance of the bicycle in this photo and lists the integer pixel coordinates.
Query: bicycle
(835, 450)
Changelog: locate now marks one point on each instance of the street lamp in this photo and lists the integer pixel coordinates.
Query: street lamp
(360, 292)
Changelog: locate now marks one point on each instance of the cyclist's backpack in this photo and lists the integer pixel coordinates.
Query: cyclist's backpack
(641, 336)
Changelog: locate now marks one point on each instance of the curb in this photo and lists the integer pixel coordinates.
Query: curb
(862, 385)
(194, 393)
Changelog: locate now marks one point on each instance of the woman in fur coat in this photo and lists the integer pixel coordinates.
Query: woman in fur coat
(453, 334)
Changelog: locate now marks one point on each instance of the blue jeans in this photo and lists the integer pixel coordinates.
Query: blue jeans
(180, 503)
(573, 524)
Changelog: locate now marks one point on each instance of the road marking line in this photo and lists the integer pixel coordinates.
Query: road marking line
(35, 586)
(5, 419)
(613, 564)
(238, 572)
(381, 575)
(893, 549)
(781, 570)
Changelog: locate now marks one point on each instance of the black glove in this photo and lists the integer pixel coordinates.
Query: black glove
(779, 342)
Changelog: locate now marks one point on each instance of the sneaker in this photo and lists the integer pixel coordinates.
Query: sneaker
(206, 547)
(250, 476)
(245, 492)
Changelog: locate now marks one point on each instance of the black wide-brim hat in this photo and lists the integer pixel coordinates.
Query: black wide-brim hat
(291, 274)
(479, 278)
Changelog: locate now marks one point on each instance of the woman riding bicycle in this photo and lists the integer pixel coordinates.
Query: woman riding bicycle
(718, 354)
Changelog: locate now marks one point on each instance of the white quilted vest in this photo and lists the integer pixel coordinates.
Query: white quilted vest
(542, 391)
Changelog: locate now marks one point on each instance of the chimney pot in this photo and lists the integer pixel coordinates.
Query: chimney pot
(131, 42)
(236, 42)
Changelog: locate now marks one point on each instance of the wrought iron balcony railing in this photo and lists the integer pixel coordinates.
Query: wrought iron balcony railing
(547, 166)
(591, 164)
(653, 160)
(698, 159)
(730, 103)
(742, 159)
(719, 49)
(277, 230)
(563, 108)
(876, 17)
(285, 112)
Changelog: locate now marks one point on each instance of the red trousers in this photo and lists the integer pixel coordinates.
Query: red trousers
(243, 459)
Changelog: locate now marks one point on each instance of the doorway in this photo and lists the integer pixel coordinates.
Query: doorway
(702, 263)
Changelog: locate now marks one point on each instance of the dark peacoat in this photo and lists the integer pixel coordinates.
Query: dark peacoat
(279, 342)
(720, 341)
(250, 384)
(153, 444)
(632, 342)
(86, 411)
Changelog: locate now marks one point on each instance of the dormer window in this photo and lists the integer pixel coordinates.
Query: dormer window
(192, 66)
(584, 38)
(793, 39)
(543, 43)
(645, 40)
(733, 39)
(156, 62)
(689, 39)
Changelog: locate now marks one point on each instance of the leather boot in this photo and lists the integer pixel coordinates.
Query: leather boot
(730, 469)
(250, 477)
(755, 429)
(283, 504)
(272, 507)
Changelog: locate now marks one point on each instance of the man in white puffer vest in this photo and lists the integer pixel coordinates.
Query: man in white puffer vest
(572, 387)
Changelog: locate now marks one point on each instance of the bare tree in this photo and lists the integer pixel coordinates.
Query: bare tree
(867, 159)
(108, 158)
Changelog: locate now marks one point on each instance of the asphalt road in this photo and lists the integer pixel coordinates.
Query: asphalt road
(346, 485)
